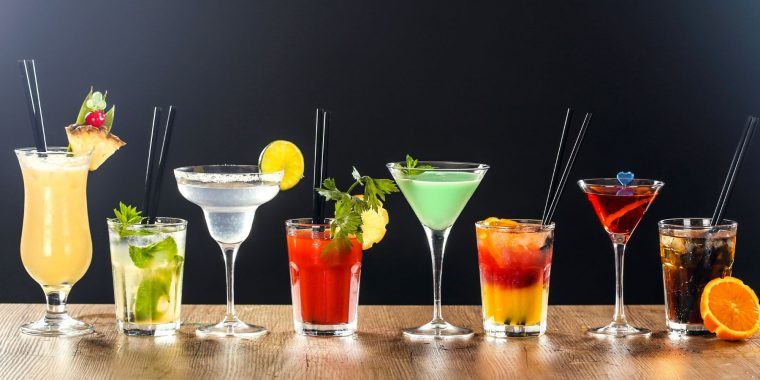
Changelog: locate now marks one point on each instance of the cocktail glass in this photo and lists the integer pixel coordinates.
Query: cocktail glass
(620, 209)
(147, 262)
(692, 253)
(324, 279)
(229, 196)
(437, 196)
(515, 264)
(55, 241)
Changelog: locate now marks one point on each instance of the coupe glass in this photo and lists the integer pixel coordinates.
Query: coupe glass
(229, 196)
(620, 209)
(438, 195)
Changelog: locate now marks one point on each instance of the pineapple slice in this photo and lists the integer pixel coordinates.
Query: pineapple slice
(86, 138)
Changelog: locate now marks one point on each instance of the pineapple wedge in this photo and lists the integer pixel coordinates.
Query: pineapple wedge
(86, 138)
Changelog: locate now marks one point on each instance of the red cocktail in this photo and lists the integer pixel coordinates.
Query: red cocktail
(620, 203)
(324, 279)
(620, 208)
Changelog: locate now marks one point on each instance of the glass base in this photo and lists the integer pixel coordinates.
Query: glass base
(438, 330)
(231, 329)
(58, 325)
(135, 329)
(513, 331)
(619, 330)
(310, 329)
(687, 328)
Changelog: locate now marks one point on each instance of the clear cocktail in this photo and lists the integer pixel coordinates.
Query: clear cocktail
(515, 259)
(437, 192)
(55, 241)
(229, 196)
(147, 262)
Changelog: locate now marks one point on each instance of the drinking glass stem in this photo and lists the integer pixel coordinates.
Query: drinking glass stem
(229, 252)
(55, 298)
(618, 244)
(437, 241)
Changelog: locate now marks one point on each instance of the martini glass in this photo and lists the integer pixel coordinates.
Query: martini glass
(437, 196)
(620, 209)
(229, 196)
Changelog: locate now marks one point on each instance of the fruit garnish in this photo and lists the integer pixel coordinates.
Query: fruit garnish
(349, 221)
(92, 130)
(95, 118)
(283, 155)
(730, 309)
(86, 139)
(498, 222)
(413, 167)
(373, 225)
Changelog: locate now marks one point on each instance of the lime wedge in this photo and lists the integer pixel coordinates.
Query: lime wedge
(152, 299)
(283, 155)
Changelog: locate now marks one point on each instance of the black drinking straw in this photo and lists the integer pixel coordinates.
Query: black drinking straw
(320, 163)
(733, 169)
(568, 168)
(557, 160)
(34, 106)
(159, 175)
(152, 147)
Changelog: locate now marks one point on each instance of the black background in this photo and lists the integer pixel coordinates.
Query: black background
(670, 84)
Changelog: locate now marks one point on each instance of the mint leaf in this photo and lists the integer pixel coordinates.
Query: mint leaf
(155, 254)
(413, 166)
(127, 216)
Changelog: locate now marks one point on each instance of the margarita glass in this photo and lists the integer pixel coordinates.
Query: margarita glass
(229, 196)
(55, 241)
(620, 209)
(438, 195)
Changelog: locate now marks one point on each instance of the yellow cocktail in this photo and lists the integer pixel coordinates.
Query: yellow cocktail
(55, 242)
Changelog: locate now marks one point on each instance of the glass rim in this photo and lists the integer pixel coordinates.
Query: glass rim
(161, 222)
(52, 150)
(307, 223)
(248, 174)
(523, 223)
(465, 166)
(672, 223)
(613, 182)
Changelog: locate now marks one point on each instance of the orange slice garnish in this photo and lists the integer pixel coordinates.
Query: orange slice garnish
(730, 309)
(498, 222)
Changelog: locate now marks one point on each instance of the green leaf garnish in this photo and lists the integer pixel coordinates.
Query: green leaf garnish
(96, 101)
(348, 208)
(108, 123)
(127, 216)
(159, 253)
(413, 167)
(83, 110)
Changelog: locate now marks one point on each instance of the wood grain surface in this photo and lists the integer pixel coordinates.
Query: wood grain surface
(377, 351)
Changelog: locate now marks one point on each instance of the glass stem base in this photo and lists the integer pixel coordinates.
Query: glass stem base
(619, 330)
(438, 329)
(57, 325)
(231, 328)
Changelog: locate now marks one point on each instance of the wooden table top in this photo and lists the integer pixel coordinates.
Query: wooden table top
(377, 351)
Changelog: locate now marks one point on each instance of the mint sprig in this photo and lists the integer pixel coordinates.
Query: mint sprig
(127, 216)
(413, 167)
(348, 208)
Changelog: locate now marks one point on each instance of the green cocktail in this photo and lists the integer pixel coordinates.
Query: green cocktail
(437, 192)
(438, 198)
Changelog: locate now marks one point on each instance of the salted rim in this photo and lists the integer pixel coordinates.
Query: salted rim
(186, 173)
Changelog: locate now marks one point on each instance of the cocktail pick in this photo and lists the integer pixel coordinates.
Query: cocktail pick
(625, 179)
